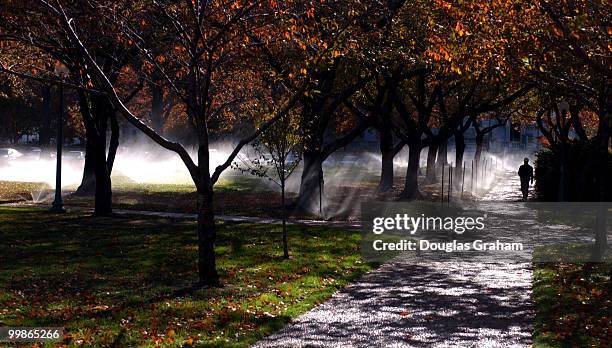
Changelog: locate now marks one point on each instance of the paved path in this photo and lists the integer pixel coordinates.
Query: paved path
(189, 216)
(508, 189)
(429, 303)
(440, 304)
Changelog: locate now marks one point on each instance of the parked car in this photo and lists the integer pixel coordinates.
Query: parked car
(8, 154)
(74, 155)
(350, 160)
(33, 153)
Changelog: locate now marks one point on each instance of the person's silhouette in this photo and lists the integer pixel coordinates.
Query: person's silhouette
(525, 172)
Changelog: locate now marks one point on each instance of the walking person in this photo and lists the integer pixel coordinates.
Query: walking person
(525, 172)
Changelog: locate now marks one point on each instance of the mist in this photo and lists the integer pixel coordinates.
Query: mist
(350, 177)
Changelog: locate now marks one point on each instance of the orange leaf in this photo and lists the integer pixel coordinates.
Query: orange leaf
(558, 32)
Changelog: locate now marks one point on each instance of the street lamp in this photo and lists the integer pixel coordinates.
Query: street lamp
(60, 71)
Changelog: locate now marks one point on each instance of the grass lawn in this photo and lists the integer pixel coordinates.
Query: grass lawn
(123, 280)
(229, 196)
(573, 305)
(343, 195)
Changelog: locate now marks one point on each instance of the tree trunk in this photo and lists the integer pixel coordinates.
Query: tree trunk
(386, 171)
(207, 268)
(311, 187)
(478, 153)
(430, 171)
(459, 151)
(44, 136)
(601, 238)
(96, 111)
(157, 107)
(96, 118)
(604, 135)
(114, 142)
(442, 159)
(411, 189)
(563, 173)
(103, 198)
(387, 155)
(88, 182)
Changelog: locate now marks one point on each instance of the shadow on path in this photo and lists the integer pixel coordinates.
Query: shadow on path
(415, 303)
(428, 304)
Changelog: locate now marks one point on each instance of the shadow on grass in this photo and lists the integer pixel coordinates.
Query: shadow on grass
(129, 280)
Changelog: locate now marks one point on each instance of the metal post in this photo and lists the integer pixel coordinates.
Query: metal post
(320, 197)
(442, 190)
(58, 204)
(450, 182)
(476, 174)
(462, 178)
(472, 181)
(482, 171)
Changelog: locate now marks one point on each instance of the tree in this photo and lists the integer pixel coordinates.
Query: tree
(500, 117)
(18, 111)
(278, 147)
(319, 109)
(375, 100)
(282, 142)
(28, 25)
(565, 48)
(487, 95)
(352, 31)
(210, 40)
(562, 47)
(572, 54)
(412, 123)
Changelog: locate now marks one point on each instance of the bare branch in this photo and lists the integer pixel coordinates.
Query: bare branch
(288, 106)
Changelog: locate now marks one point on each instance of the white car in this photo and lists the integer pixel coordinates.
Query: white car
(33, 153)
(8, 154)
(75, 155)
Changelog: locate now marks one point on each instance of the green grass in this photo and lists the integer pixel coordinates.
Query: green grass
(230, 196)
(573, 305)
(231, 192)
(229, 183)
(570, 253)
(125, 280)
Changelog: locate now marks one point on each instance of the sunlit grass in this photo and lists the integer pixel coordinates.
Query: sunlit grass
(19, 191)
(120, 279)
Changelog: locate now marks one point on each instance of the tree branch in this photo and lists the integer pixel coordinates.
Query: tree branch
(176, 147)
(288, 106)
